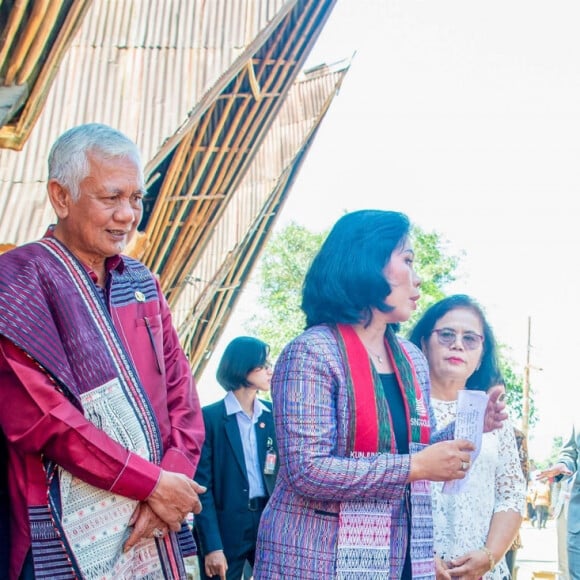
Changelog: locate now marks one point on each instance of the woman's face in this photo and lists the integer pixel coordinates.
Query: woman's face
(260, 377)
(455, 346)
(404, 283)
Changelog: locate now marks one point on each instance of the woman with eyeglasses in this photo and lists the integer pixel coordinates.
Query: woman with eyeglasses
(475, 527)
(352, 414)
(239, 461)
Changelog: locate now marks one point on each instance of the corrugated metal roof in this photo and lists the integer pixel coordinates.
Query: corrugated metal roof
(213, 286)
(202, 88)
(130, 68)
(195, 174)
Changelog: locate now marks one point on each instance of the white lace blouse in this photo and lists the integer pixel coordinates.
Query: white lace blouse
(496, 483)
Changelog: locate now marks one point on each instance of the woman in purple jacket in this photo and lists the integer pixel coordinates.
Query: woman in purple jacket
(353, 420)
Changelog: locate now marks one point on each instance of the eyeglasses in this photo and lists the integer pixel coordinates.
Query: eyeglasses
(448, 337)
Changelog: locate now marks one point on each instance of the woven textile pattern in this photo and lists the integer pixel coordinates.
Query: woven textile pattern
(299, 529)
(51, 310)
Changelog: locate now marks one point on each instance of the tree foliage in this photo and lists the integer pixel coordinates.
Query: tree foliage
(514, 386)
(282, 269)
(557, 443)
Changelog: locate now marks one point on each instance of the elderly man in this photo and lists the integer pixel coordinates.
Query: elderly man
(101, 418)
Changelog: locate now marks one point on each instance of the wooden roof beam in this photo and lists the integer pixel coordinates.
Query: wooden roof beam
(12, 99)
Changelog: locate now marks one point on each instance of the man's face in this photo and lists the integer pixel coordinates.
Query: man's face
(103, 220)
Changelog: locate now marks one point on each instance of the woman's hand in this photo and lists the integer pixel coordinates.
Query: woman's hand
(441, 571)
(443, 461)
(470, 566)
(495, 413)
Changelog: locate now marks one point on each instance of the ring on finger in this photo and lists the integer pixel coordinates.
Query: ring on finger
(157, 533)
(464, 465)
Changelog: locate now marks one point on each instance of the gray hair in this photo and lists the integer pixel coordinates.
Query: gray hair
(67, 160)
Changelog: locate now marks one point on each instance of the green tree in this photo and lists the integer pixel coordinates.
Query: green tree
(514, 386)
(557, 443)
(282, 268)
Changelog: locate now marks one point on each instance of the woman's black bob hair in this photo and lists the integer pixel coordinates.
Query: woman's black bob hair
(346, 278)
(241, 356)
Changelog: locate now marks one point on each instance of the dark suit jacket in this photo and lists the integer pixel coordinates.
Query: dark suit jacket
(569, 455)
(222, 469)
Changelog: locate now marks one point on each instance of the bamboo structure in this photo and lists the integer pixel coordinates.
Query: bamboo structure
(35, 37)
(214, 152)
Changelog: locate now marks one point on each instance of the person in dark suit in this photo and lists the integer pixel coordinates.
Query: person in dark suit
(239, 461)
(566, 464)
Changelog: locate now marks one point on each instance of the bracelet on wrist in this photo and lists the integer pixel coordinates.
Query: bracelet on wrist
(489, 557)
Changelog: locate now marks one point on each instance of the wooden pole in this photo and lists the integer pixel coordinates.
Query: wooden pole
(526, 386)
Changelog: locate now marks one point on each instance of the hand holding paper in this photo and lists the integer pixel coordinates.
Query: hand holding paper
(469, 421)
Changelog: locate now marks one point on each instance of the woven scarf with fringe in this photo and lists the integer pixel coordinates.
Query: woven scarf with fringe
(364, 542)
(50, 308)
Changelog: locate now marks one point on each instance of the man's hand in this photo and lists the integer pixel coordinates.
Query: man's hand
(495, 413)
(145, 523)
(554, 470)
(174, 497)
(216, 564)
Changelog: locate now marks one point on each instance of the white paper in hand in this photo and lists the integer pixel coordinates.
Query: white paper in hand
(471, 407)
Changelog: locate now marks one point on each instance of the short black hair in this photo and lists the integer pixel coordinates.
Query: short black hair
(488, 374)
(241, 356)
(346, 278)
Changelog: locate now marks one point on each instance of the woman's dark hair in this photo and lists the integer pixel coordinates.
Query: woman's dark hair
(346, 278)
(241, 356)
(488, 374)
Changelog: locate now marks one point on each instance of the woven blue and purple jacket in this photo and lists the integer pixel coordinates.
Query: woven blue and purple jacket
(298, 531)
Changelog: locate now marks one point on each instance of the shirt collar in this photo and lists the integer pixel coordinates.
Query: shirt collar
(112, 263)
(233, 405)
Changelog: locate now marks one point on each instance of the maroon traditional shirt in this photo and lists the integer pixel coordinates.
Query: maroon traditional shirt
(37, 419)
